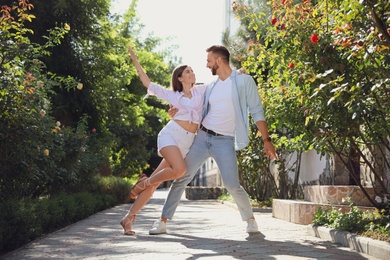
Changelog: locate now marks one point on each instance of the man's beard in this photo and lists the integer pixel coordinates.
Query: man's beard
(214, 69)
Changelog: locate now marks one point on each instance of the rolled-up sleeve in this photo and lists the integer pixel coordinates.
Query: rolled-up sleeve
(255, 105)
(160, 92)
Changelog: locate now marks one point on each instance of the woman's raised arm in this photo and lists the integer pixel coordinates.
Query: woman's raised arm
(142, 75)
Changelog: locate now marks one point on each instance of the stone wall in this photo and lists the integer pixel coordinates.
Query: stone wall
(203, 193)
(316, 196)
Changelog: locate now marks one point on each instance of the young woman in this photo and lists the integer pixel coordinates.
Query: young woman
(175, 139)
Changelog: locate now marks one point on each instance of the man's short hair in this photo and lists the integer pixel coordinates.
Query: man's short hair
(220, 51)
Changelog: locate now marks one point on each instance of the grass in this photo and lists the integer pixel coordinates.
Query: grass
(254, 203)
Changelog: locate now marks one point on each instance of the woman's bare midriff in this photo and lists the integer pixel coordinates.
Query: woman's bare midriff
(187, 125)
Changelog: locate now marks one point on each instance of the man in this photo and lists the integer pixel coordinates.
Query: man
(223, 130)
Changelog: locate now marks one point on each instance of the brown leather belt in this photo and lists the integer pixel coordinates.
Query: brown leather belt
(210, 132)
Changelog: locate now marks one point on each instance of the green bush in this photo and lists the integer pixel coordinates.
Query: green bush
(371, 224)
(323, 69)
(115, 186)
(24, 220)
(38, 155)
(353, 220)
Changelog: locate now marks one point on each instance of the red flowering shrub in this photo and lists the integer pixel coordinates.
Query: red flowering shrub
(336, 97)
(314, 38)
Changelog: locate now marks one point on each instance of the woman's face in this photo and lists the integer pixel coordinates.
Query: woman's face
(188, 76)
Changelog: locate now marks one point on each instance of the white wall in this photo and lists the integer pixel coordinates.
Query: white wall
(312, 166)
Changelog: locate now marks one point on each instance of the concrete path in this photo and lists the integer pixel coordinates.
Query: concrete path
(200, 230)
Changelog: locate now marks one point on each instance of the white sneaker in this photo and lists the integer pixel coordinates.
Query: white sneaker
(159, 227)
(252, 226)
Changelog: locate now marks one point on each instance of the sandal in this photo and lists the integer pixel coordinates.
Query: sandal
(126, 224)
(141, 185)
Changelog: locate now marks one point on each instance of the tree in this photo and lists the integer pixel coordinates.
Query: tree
(324, 72)
(71, 104)
(38, 156)
(94, 52)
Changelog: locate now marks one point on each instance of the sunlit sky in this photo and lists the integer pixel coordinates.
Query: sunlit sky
(193, 24)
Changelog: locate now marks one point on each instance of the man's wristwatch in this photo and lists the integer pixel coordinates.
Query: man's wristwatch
(268, 139)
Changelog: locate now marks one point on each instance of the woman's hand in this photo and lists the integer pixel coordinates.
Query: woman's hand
(142, 75)
(241, 71)
(132, 54)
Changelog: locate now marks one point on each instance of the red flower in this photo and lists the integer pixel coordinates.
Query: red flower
(273, 21)
(282, 27)
(314, 38)
(93, 130)
(291, 65)
(283, 2)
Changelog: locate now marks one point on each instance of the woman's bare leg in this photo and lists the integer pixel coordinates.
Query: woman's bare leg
(170, 168)
(164, 172)
(142, 198)
(176, 166)
(138, 204)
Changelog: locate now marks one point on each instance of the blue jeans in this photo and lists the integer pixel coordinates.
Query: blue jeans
(221, 148)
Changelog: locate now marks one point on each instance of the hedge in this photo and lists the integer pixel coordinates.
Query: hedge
(22, 221)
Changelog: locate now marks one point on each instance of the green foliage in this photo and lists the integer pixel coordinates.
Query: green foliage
(371, 224)
(24, 220)
(254, 202)
(226, 197)
(94, 51)
(323, 69)
(255, 174)
(57, 133)
(378, 228)
(335, 218)
(115, 186)
(38, 155)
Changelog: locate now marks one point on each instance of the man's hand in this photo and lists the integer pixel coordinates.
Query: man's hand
(172, 111)
(269, 150)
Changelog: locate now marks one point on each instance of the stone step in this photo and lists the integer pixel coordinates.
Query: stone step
(338, 195)
(302, 212)
(203, 192)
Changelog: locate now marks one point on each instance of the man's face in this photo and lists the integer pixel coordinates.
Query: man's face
(212, 63)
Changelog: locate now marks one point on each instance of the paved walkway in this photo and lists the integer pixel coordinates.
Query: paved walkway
(200, 230)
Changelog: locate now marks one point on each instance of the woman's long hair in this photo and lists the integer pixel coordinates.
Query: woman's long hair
(175, 82)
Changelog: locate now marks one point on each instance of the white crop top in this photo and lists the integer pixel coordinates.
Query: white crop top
(189, 109)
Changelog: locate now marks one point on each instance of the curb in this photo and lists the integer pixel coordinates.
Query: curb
(375, 248)
(369, 246)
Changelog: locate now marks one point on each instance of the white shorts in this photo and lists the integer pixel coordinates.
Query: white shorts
(174, 134)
